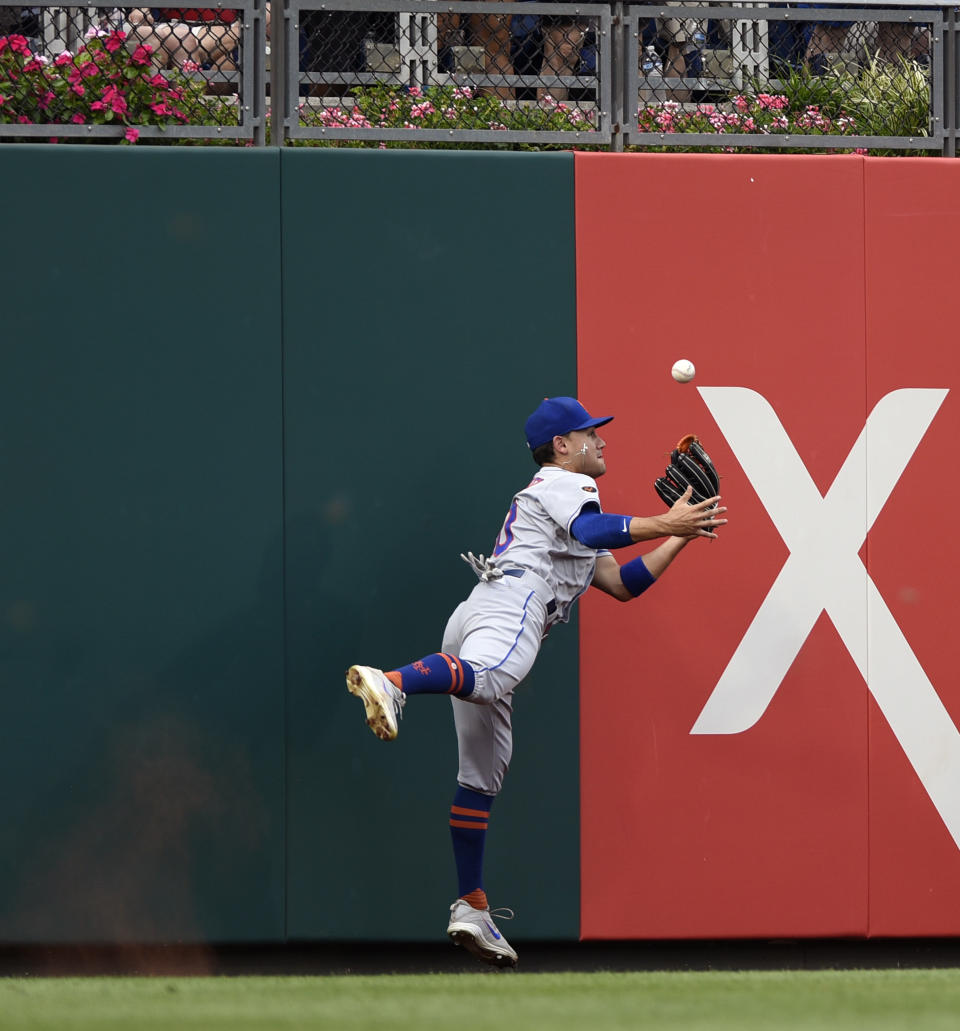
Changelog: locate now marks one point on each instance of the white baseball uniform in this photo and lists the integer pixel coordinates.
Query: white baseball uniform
(498, 629)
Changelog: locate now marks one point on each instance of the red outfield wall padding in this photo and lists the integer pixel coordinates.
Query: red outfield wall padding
(798, 801)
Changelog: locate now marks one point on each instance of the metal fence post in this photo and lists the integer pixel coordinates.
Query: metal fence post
(258, 65)
(617, 65)
(278, 73)
(951, 70)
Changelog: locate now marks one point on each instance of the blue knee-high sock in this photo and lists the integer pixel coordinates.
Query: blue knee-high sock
(439, 673)
(469, 816)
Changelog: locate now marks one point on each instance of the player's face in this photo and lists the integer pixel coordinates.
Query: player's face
(587, 449)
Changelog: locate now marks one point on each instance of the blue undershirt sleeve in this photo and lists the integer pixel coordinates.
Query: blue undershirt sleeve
(598, 529)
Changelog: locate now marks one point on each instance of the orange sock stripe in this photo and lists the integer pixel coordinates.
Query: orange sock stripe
(460, 811)
(456, 674)
(469, 825)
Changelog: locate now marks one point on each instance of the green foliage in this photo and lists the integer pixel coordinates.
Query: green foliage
(881, 98)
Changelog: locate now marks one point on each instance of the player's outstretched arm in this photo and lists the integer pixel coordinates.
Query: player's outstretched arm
(681, 520)
(609, 575)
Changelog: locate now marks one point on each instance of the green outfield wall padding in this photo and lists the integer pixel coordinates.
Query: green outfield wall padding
(253, 405)
(141, 630)
(428, 307)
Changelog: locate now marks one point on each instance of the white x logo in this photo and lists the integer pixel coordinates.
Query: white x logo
(824, 572)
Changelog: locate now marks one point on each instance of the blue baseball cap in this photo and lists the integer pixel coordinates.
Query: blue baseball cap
(556, 417)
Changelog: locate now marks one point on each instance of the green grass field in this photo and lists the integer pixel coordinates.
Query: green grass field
(918, 1000)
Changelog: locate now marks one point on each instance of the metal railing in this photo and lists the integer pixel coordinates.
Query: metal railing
(486, 73)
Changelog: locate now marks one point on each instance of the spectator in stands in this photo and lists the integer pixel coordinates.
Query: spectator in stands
(562, 40)
(824, 42)
(336, 41)
(677, 42)
(898, 40)
(526, 50)
(20, 21)
(491, 32)
(895, 41)
(680, 54)
(787, 45)
(207, 37)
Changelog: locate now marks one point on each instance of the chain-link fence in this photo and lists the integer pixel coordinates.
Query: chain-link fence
(795, 75)
(486, 73)
(159, 73)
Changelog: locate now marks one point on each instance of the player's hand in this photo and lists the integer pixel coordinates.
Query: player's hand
(697, 520)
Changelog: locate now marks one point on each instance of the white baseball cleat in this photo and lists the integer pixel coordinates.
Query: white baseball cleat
(382, 701)
(475, 930)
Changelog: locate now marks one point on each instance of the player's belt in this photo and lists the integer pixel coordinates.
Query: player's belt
(551, 604)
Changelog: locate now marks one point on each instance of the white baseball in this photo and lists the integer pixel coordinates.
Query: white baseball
(683, 371)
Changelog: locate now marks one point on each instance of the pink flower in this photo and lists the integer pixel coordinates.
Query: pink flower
(114, 98)
(19, 45)
(115, 40)
(190, 66)
(161, 107)
(33, 65)
(780, 122)
(3, 100)
(131, 135)
(64, 57)
(157, 80)
(78, 89)
(414, 91)
(23, 120)
(741, 103)
(77, 118)
(44, 102)
(748, 125)
(141, 55)
(770, 102)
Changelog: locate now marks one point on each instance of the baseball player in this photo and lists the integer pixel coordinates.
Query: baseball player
(555, 542)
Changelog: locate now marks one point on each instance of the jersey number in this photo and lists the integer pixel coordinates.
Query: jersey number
(506, 533)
